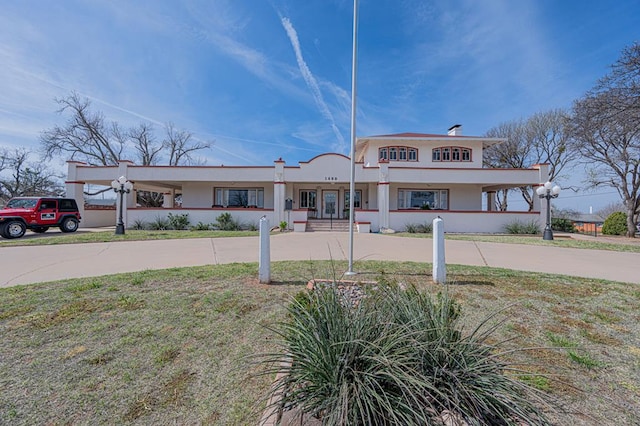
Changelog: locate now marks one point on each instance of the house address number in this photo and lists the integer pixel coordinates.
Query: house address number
(331, 178)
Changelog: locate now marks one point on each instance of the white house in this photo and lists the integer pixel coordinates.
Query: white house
(400, 179)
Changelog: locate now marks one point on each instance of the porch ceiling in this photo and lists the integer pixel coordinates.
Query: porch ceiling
(153, 186)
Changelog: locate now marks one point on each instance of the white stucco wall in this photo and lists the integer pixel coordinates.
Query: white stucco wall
(461, 222)
(197, 194)
(98, 218)
(465, 197)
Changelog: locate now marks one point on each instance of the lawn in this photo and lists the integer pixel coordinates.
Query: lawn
(108, 236)
(616, 244)
(605, 243)
(176, 346)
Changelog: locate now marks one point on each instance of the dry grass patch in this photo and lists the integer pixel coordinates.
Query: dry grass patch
(174, 346)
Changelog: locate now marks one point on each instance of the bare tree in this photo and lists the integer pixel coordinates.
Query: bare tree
(26, 178)
(606, 131)
(540, 139)
(88, 137)
(511, 153)
(85, 137)
(548, 133)
(181, 146)
(147, 149)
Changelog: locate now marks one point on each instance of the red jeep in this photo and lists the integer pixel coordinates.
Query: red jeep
(38, 214)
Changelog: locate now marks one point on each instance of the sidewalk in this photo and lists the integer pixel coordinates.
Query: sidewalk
(32, 264)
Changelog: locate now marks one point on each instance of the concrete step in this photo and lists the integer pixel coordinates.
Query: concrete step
(327, 226)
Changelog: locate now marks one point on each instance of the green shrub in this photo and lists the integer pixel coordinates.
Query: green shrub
(283, 225)
(178, 221)
(615, 224)
(562, 225)
(140, 225)
(202, 227)
(225, 222)
(419, 228)
(518, 227)
(159, 224)
(398, 357)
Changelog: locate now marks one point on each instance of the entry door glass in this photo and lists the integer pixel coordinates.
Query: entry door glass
(330, 204)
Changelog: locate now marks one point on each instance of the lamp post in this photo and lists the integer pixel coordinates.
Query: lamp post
(548, 190)
(121, 186)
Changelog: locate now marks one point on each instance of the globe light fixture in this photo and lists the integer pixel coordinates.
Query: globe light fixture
(121, 186)
(548, 191)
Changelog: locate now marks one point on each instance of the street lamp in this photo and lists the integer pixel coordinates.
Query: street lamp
(121, 186)
(548, 190)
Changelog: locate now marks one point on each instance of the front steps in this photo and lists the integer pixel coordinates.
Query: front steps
(326, 225)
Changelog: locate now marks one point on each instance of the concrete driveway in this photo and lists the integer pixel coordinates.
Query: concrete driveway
(31, 264)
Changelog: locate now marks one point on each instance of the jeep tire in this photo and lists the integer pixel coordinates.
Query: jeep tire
(69, 224)
(14, 229)
(40, 229)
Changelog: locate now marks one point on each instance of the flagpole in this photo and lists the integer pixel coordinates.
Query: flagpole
(352, 185)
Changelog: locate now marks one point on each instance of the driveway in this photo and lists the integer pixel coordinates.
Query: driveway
(32, 264)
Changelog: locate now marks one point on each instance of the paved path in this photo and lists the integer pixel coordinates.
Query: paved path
(31, 264)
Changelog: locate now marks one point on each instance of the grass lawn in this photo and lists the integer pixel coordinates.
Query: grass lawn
(175, 346)
(606, 243)
(109, 236)
(623, 244)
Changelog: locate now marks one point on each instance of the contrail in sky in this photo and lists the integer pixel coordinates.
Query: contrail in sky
(311, 81)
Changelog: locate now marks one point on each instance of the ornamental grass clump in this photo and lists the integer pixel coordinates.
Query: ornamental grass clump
(399, 357)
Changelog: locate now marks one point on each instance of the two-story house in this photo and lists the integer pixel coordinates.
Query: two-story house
(400, 179)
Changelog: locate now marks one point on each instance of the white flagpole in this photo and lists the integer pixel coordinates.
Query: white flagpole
(352, 185)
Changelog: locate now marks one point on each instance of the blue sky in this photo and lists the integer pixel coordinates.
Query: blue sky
(265, 79)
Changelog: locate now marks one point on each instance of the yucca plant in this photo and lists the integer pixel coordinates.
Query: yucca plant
(399, 357)
(517, 227)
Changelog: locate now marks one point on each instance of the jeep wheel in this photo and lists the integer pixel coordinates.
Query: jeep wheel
(40, 229)
(14, 229)
(69, 224)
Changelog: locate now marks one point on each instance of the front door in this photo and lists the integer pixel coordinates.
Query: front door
(330, 204)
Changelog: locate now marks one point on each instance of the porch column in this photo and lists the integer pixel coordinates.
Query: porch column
(167, 200)
(383, 194)
(74, 187)
(538, 205)
(279, 188)
(130, 198)
(491, 200)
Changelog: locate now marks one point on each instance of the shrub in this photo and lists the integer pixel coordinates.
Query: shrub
(518, 227)
(283, 225)
(140, 225)
(398, 357)
(562, 225)
(178, 221)
(225, 222)
(202, 227)
(159, 224)
(419, 228)
(615, 224)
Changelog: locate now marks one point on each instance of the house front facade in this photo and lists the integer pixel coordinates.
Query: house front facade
(400, 179)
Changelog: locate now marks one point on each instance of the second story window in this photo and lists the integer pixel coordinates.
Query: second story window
(393, 153)
(398, 153)
(451, 153)
(383, 154)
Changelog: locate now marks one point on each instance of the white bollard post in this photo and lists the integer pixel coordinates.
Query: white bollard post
(439, 266)
(264, 266)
